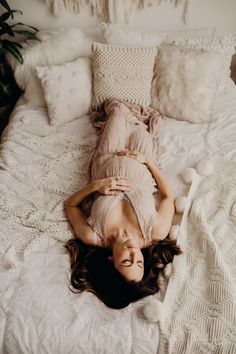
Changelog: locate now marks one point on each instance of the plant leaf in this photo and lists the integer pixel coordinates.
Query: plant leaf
(5, 4)
(27, 34)
(16, 44)
(13, 49)
(5, 16)
(6, 29)
(23, 24)
(5, 89)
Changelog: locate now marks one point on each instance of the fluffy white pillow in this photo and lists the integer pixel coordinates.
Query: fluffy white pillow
(185, 82)
(67, 89)
(130, 36)
(122, 72)
(202, 38)
(59, 48)
(225, 45)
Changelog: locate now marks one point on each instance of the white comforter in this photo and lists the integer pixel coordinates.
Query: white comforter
(38, 312)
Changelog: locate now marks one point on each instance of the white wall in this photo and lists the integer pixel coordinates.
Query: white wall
(202, 13)
(220, 14)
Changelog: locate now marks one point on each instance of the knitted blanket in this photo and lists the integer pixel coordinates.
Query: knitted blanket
(200, 302)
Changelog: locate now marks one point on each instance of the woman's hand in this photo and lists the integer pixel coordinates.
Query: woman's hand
(112, 185)
(136, 155)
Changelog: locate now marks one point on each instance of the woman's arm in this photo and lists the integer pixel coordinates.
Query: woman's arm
(166, 210)
(164, 186)
(77, 218)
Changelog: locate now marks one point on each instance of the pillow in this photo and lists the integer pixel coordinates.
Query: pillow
(58, 48)
(223, 44)
(127, 35)
(123, 73)
(67, 89)
(185, 82)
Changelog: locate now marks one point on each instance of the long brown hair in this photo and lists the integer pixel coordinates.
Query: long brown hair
(92, 271)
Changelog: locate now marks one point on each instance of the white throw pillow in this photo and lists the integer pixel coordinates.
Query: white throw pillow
(224, 44)
(185, 82)
(60, 48)
(122, 72)
(67, 89)
(130, 36)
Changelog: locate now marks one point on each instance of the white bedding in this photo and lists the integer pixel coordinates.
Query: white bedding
(38, 312)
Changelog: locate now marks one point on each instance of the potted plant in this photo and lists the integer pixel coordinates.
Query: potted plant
(9, 43)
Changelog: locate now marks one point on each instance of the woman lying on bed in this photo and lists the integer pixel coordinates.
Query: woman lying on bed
(124, 240)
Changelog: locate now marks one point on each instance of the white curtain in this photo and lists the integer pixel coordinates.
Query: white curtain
(115, 11)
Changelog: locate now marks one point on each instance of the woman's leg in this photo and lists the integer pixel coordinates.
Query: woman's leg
(115, 132)
(141, 140)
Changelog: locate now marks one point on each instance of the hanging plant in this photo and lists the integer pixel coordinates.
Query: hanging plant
(9, 44)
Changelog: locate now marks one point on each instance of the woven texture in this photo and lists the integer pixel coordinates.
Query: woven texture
(200, 303)
(122, 73)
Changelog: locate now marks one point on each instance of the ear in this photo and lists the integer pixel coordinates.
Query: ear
(110, 258)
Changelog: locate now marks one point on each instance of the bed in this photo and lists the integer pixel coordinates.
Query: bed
(42, 163)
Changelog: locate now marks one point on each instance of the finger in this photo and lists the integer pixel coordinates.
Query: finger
(120, 179)
(121, 188)
(113, 192)
(120, 153)
(126, 185)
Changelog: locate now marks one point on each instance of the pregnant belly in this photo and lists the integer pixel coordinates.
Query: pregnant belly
(123, 166)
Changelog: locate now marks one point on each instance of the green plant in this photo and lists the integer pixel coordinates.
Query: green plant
(9, 44)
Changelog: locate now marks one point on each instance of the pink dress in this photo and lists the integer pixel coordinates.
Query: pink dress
(123, 130)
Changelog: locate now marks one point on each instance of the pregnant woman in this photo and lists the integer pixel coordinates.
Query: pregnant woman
(122, 245)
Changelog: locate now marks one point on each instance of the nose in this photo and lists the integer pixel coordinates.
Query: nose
(132, 256)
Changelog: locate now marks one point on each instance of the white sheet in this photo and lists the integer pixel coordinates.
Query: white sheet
(38, 312)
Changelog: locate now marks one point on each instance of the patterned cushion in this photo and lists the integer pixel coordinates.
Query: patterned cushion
(185, 83)
(122, 73)
(67, 89)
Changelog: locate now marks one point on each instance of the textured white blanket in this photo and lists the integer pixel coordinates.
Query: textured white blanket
(200, 302)
(40, 166)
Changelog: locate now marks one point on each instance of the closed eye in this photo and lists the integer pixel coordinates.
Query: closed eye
(128, 263)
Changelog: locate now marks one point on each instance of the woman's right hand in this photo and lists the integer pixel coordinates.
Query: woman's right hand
(112, 185)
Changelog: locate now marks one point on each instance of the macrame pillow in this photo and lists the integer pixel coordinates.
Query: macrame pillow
(67, 90)
(185, 82)
(122, 72)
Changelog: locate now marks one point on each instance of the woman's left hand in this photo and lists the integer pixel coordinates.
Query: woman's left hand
(136, 155)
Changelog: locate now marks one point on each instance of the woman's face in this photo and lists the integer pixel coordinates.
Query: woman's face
(128, 260)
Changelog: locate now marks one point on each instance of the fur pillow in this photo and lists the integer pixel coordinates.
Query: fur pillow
(68, 90)
(225, 45)
(59, 48)
(185, 82)
(122, 72)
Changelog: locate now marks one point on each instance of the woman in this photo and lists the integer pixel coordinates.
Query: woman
(124, 231)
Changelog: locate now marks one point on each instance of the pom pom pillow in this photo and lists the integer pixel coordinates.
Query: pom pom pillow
(57, 48)
(67, 90)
